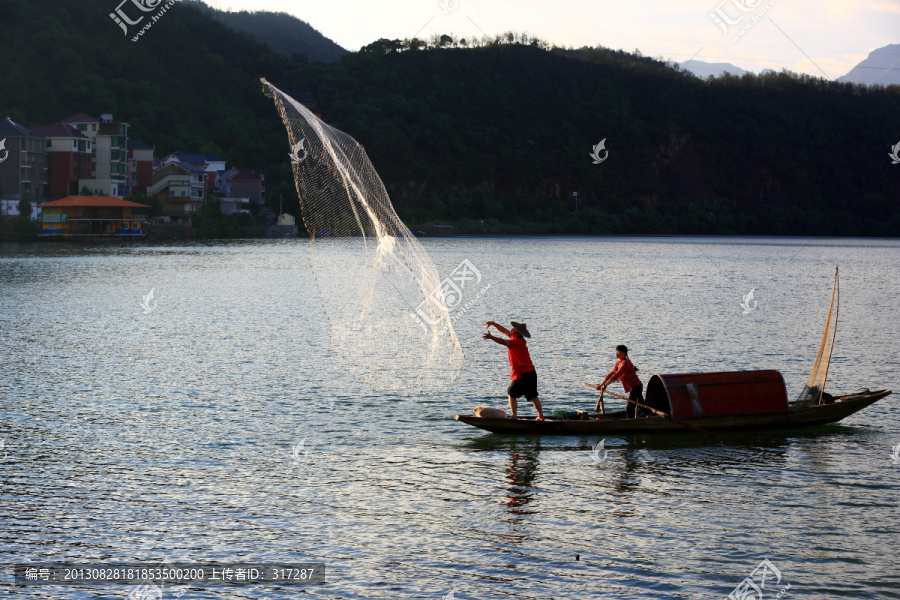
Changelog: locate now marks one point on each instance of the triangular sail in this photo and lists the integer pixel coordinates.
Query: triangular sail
(815, 385)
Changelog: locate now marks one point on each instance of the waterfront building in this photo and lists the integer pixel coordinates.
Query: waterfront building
(210, 164)
(240, 188)
(243, 183)
(110, 153)
(140, 166)
(70, 158)
(104, 216)
(23, 166)
(181, 188)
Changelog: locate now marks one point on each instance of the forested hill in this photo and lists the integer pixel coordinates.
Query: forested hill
(282, 32)
(189, 83)
(500, 133)
(505, 132)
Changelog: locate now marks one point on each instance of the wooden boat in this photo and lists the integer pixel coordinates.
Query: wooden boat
(706, 402)
(615, 422)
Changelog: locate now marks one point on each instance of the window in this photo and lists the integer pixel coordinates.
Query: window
(81, 127)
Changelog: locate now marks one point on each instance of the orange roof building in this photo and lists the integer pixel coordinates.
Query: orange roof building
(92, 216)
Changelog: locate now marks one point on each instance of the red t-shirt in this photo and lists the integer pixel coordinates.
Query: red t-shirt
(519, 359)
(623, 371)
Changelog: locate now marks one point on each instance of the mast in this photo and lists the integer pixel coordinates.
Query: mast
(815, 385)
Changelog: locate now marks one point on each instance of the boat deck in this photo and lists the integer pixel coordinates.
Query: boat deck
(611, 423)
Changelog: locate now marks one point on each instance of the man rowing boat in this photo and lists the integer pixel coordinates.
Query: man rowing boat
(522, 373)
(625, 372)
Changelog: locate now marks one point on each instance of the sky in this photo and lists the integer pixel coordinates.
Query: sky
(817, 37)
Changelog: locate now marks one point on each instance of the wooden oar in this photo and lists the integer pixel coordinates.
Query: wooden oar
(660, 413)
(600, 405)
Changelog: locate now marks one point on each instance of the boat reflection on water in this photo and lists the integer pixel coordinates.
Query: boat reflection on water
(629, 476)
(638, 468)
(521, 470)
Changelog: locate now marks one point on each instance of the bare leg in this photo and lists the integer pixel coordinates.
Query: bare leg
(513, 405)
(537, 406)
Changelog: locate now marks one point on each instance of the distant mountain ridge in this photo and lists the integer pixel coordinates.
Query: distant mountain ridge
(704, 69)
(283, 33)
(881, 67)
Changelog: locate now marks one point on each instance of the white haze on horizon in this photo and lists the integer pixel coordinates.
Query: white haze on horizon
(836, 35)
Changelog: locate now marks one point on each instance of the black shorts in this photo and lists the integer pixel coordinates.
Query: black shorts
(526, 385)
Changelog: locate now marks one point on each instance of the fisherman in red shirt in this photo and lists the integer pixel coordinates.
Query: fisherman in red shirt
(625, 372)
(522, 373)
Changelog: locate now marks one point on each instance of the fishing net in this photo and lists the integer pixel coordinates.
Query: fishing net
(815, 386)
(381, 293)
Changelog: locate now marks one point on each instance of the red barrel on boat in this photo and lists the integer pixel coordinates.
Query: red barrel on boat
(697, 395)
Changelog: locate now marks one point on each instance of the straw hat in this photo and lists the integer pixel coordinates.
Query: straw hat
(521, 328)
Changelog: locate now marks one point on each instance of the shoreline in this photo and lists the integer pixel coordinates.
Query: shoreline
(18, 238)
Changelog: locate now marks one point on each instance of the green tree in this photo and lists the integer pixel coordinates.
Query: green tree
(24, 208)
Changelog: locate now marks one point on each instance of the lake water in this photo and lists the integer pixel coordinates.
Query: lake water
(136, 436)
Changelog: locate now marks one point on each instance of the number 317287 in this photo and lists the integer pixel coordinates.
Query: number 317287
(292, 573)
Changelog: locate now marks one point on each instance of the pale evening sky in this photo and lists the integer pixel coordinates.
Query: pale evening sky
(835, 34)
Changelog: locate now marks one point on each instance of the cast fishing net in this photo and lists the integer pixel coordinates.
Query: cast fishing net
(381, 293)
